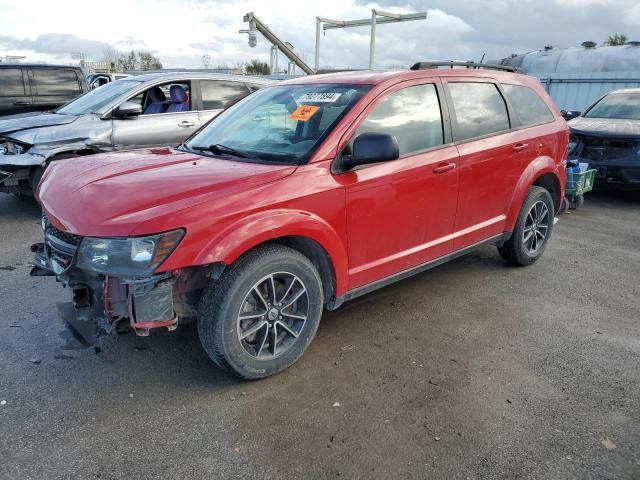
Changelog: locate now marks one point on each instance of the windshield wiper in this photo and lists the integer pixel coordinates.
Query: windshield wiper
(219, 149)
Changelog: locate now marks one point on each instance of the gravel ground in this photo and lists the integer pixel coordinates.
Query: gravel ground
(474, 370)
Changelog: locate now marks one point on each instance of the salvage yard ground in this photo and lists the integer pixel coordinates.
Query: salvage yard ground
(473, 370)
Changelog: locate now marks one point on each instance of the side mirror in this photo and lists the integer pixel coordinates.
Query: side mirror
(371, 148)
(569, 114)
(129, 109)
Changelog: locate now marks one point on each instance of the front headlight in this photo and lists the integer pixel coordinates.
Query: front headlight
(130, 256)
(11, 148)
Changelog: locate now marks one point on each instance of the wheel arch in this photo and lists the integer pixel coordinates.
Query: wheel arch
(542, 172)
(550, 182)
(317, 255)
(302, 231)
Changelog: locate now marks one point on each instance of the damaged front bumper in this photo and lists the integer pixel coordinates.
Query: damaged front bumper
(102, 304)
(16, 171)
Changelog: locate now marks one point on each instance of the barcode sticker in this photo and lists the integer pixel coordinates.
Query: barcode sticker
(320, 97)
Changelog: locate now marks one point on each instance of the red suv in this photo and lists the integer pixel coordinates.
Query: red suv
(298, 198)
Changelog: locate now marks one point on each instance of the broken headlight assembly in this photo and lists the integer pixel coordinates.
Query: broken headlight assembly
(128, 256)
(8, 147)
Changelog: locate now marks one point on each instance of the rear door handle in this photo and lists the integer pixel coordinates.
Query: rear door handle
(186, 124)
(518, 147)
(442, 168)
(21, 104)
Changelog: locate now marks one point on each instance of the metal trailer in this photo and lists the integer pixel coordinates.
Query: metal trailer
(577, 77)
(577, 91)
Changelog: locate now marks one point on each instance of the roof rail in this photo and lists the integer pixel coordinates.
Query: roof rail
(488, 66)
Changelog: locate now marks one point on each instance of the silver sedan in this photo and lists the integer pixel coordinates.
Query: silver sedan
(159, 109)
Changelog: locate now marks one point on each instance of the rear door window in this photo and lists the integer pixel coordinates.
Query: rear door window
(50, 81)
(412, 115)
(11, 83)
(529, 107)
(479, 110)
(218, 94)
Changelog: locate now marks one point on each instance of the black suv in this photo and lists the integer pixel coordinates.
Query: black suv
(28, 88)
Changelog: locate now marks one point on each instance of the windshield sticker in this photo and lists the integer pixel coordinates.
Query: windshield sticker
(324, 97)
(304, 113)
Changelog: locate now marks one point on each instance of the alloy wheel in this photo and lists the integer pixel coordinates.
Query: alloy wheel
(536, 227)
(272, 315)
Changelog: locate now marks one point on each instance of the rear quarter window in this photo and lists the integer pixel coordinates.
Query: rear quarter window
(529, 107)
(220, 94)
(49, 81)
(479, 110)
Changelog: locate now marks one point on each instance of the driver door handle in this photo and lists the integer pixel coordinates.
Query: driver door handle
(21, 104)
(444, 167)
(186, 124)
(519, 147)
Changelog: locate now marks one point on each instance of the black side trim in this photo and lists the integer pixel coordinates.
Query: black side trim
(358, 292)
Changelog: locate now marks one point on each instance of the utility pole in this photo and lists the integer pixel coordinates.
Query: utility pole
(329, 24)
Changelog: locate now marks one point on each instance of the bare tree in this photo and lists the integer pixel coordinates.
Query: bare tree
(616, 39)
(148, 61)
(141, 60)
(111, 56)
(256, 67)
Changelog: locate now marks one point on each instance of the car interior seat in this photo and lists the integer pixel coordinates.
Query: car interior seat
(179, 99)
(158, 101)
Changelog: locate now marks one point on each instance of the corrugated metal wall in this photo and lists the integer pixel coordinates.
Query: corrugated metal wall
(576, 91)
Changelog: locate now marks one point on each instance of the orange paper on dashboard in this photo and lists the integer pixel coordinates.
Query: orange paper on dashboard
(304, 112)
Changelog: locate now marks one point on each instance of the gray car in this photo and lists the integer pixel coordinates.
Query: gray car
(160, 109)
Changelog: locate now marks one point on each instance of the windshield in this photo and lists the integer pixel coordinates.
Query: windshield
(282, 124)
(96, 100)
(625, 106)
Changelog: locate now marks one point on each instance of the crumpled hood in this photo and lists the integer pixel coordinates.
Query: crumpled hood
(15, 123)
(605, 127)
(125, 193)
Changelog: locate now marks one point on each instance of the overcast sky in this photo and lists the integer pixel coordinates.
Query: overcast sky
(179, 32)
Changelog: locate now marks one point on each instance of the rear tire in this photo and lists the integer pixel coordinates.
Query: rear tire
(532, 231)
(261, 315)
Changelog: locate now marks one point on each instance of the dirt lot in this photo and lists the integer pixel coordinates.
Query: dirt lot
(474, 370)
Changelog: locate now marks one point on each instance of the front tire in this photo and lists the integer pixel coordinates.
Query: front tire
(260, 316)
(532, 231)
(38, 173)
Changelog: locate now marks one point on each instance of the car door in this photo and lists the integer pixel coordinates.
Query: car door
(400, 213)
(155, 129)
(52, 87)
(216, 95)
(490, 154)
(15, 95)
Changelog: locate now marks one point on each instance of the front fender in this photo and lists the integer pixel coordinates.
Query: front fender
(50, 151)
(261, 227)
(536, 168)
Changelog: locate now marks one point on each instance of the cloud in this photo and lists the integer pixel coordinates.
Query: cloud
(180, 32)
(632, 17)
(56, 44)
